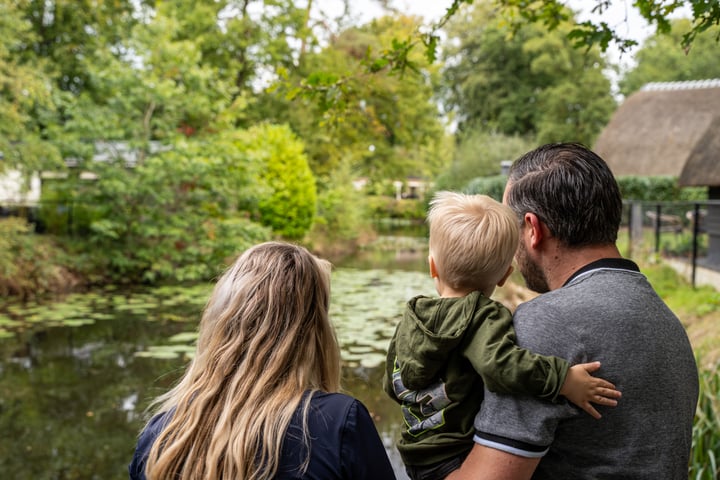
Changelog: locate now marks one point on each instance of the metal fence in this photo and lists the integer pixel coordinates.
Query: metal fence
(685, 230)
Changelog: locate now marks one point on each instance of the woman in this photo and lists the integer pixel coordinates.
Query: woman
(260, 399)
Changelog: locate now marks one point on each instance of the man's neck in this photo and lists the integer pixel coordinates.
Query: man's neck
(567, 261)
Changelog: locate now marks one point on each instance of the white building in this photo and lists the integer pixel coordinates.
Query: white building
(14, 191)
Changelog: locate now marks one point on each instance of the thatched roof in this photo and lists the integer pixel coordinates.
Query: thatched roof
(667, 129)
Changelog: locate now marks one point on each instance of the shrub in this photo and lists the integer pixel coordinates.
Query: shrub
(30, 264)
(176, 216)
(342, 218)
(60, 213)
(289, 201)
(491, 186)
(402, 209)
(658, 189)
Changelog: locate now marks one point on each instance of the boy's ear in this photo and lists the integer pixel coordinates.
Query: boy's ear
(433, 269)
(506, 276)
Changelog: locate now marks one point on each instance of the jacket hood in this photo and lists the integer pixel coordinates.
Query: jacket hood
(430, 328)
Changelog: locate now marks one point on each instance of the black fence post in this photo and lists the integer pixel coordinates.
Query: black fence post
(658, 210)
(630, 230)
(696, 231)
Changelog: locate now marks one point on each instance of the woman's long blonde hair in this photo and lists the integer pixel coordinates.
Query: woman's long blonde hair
(265, 339)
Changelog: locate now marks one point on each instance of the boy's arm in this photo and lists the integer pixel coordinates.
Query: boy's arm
(507, 368)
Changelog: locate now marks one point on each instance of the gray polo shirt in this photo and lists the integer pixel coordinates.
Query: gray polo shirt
(607, 312)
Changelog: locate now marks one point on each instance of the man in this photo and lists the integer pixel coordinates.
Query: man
(595, 306)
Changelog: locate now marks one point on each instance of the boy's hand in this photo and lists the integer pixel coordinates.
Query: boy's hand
(581, 388)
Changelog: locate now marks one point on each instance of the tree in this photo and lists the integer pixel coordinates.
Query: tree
(25, 97)
(528, 82)
(589, 33)
(67, 33)
(139, 71)
(480, 154)
(241, 40)
(661, 59)
(384, 125)
(552, 13)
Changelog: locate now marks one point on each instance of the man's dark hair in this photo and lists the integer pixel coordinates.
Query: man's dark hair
(571, 189)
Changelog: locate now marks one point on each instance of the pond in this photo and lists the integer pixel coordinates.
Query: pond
(76, 374)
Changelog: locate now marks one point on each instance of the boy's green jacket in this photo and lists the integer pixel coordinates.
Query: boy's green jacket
(442, 352)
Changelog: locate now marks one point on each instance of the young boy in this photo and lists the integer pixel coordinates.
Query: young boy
(444, 349)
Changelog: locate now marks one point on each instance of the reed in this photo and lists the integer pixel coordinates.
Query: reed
(706, 429)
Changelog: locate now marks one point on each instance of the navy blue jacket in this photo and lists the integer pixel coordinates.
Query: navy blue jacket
(344, 443)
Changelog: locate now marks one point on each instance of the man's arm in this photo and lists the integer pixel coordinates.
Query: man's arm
(491, 464)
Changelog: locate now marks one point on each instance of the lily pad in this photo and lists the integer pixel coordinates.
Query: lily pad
(184, 337)
(159, 354)
(72, 322)
(6, 321)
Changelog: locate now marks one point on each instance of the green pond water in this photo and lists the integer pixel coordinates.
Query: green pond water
(76, 373)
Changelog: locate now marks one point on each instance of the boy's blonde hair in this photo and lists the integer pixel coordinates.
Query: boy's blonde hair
(473, 239)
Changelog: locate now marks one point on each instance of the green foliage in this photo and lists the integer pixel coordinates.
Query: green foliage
(60, 213)
(575, 111)
(589, 33)
(29, 264)
(706, 434)
(662, 59)
(387, 125)
(679, 294)
(288, 202)
(480, 154)
(681, 244)
(26, 96)
(524, 82)
(55, 212)
(658, 189)
(68, 33)
(342, 216)
(382, 207)
(491, 186)
(178, 216)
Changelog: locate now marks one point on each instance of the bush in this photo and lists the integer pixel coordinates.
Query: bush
(29, 263)
(402, 209)
(491, 186)
(658, 189)
(176, 216)
(288, 203)
(342, 218)
(60, 213)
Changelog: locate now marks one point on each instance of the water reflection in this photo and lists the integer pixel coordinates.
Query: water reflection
(77, 374)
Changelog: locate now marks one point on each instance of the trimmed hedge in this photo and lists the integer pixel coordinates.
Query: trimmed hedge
(658, 189)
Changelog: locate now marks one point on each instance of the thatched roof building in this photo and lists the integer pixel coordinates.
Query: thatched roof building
(670, 128)
(673, 129)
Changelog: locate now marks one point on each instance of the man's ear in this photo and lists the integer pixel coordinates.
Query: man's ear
(535, 229)
(433, 269)
(506, 276)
